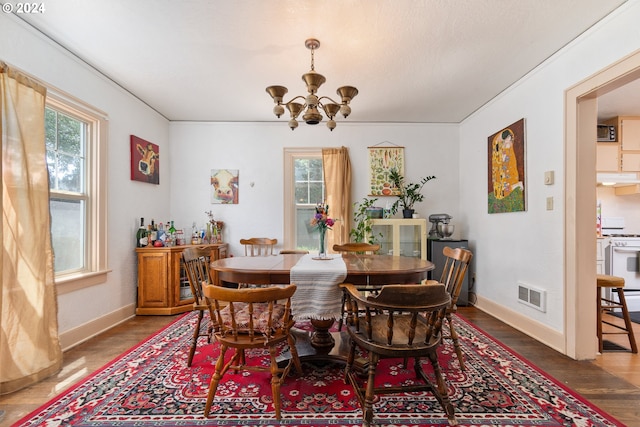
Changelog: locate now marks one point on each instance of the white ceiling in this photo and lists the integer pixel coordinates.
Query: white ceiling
(412, 60)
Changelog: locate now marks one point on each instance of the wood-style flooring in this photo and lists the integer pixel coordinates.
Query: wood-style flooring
(611, 382)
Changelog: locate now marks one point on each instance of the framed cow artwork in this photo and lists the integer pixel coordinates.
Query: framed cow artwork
(145, 161)
(224, 186)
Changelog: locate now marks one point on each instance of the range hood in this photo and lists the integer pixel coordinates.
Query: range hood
(617, 179)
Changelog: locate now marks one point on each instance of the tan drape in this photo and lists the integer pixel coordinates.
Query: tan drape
(29, 346)
(337, 181)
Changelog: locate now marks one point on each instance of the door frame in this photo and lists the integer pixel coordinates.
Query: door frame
(581, 114)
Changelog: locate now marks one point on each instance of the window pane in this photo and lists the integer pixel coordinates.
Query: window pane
(307, 237)
(316, 193)
(68, 173)
(301, 169)
(65, 151)
(315, 169)
(302, 193)
(69, 135)
(50, 118)
(68, 233)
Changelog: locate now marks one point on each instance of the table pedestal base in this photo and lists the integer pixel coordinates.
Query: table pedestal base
(321, 338)
(323, 346)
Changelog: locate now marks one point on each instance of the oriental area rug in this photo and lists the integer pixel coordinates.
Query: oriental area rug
(151, 385)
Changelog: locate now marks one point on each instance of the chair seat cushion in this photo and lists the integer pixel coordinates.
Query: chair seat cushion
(260, 316)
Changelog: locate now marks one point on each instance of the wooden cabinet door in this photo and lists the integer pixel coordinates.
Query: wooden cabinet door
(607, 157)
(630, 134)
(630, 162)
(153, 279)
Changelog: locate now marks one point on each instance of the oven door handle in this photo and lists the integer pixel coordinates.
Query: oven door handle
(626, 250)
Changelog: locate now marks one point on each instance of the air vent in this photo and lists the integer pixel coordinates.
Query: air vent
(533, 297)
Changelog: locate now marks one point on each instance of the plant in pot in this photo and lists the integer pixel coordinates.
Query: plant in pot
(408, 193)
(361, 218)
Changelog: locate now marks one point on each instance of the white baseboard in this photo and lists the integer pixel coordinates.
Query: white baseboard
(82, 333)
(543, 333)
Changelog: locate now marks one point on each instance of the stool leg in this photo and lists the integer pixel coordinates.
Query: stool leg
(599, 318)
(627, 320)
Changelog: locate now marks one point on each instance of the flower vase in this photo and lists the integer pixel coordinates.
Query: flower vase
(322, 252)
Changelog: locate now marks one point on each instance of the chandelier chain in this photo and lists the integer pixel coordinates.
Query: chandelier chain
(313, 68)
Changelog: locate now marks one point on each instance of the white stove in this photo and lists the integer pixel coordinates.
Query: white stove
(622, 259)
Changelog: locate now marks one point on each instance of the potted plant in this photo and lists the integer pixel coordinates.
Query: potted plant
(408, 193)
(361, 218)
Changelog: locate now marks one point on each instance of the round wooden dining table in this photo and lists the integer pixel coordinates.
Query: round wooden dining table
(362, 270)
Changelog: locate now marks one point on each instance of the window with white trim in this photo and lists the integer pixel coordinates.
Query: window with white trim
(76, 160)
(304, 189)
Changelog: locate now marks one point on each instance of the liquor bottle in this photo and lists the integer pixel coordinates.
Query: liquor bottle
(141, 235)
(149, 241)
(154, 232)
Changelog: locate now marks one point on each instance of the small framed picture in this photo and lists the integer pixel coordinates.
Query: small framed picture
(224, 186)
(145, 161)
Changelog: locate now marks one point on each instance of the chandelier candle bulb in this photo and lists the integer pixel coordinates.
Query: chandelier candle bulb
(312, 115)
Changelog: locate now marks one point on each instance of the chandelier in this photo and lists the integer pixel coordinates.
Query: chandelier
(311, 103)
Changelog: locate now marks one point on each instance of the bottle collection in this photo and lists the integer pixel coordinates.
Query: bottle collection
(166, 235)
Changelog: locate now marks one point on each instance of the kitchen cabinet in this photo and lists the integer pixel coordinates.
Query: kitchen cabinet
(624, 154)
(401, 237)
(163, 287)
(601, 245)
(607, 157)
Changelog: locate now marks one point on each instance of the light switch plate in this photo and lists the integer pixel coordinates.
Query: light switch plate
(548, 178)
(549, 203)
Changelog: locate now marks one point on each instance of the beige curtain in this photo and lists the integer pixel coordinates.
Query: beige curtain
(337, 180)
(29, 346)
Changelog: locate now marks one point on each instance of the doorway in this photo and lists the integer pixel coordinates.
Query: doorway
(581, 110)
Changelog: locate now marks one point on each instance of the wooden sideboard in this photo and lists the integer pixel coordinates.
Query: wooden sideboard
(163, 288)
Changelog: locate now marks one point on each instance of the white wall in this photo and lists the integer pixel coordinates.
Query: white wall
(256, 150)
(128, 200)
(528, 247)
(627, 207)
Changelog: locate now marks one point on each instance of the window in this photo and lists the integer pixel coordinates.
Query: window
(304, 189)
(75, 157)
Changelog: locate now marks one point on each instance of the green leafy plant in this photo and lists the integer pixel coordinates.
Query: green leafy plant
(362, 227)
(408, 193)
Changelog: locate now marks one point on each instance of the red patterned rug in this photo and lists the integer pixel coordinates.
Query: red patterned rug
(151, 385)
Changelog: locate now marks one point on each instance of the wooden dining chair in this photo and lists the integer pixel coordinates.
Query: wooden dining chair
(400, 322)
(196, 265)
(252, 318)
(293, 251)
(453, 273)
(362, 248)
(258, 246)
(357, 247)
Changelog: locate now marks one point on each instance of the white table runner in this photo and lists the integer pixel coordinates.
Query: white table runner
(318, 295)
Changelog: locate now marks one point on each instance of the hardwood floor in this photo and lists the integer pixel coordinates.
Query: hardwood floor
(611, 382)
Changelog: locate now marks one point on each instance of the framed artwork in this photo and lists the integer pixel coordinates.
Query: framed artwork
(145, 161)
(381, 161)
(224, 186)
(506, 169)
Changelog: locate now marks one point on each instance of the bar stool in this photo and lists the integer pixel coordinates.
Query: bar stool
(616, 284)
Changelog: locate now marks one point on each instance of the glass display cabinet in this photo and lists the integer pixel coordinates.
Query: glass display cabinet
(401, 236)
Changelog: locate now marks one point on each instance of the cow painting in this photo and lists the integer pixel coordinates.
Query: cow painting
(224, 186)
(145, 161)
